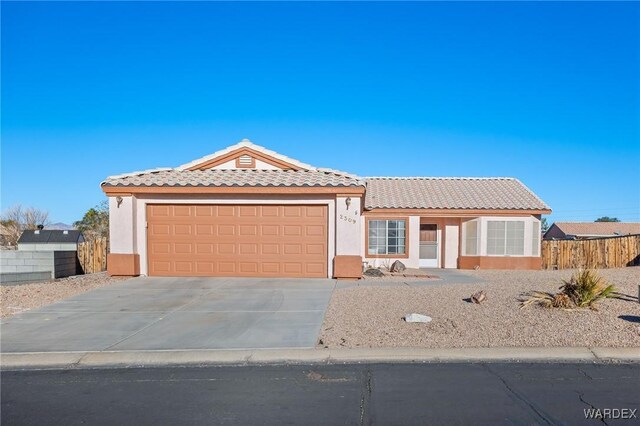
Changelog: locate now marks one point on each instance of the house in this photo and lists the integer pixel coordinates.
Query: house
(50, 240)
(249, 211)
(588, 230)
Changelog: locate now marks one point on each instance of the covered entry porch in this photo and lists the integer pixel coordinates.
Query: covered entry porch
(460, 241)
(417, 241)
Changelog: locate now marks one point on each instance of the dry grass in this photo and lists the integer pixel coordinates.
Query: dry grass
(372, 316)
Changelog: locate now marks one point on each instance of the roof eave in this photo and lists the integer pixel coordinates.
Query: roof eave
(456, 211)
(114, 190)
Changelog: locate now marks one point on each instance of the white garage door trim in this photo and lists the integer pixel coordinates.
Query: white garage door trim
(140, 209)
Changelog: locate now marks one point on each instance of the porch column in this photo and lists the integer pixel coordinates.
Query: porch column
(348, 260)
(122, 259)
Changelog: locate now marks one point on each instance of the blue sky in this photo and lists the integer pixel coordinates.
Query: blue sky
(545, 92)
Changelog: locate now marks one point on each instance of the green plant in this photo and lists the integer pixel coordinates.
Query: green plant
(95, 222)
(582, 290)
(607, 219)
(586, 287)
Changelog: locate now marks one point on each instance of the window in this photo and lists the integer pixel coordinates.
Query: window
(535, 247)
(505, 238)
(471, 238)
(387, 237)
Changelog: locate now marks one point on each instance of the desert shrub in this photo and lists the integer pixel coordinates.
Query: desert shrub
(586, 287)
(582, 290)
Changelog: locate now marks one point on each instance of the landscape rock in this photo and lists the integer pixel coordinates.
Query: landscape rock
(373, 272)
(397, 266)
(479, 297)
(417, 318)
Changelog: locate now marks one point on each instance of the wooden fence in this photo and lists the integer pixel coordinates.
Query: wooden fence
(93, 255)
(600, 253)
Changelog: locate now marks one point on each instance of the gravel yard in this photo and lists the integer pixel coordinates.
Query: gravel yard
(23, 297)
(372, 316)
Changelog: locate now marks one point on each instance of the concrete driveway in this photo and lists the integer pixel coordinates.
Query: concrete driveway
(177, 313)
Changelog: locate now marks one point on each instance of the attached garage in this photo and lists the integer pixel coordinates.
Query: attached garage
(237, 240)
(244, 211)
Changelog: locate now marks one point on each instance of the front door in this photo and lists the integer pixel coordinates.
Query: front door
(428, 245)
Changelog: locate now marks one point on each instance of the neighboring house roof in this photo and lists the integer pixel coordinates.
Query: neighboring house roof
(234, 178)
(50, 236)
(593, 229)
(450, 193)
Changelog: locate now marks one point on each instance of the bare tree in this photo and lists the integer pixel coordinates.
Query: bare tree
(17, 219)
(34, 217)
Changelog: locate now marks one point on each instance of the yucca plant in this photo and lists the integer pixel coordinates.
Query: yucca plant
(586, 287)
(541, 298)
(582, 290)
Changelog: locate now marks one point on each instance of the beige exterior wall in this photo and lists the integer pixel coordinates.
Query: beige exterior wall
(348, 226)
(122, 222)
(128, 231)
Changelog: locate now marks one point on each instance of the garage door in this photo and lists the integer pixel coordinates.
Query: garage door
(237, 240)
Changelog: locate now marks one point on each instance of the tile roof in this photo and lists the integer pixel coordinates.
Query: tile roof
(233, 178)
(450, 193)
(598, 228)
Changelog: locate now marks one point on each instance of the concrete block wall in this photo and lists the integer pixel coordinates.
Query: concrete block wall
(25, 265)
(26, 261)
(15, 278)
(47, 247)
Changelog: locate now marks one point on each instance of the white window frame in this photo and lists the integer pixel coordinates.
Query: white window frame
(536, 236)
(466, 240)
(482, 235)
(386, 238)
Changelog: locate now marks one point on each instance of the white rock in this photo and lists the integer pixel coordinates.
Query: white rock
(417, 318)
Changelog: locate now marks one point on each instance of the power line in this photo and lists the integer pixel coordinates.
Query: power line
(603, 209)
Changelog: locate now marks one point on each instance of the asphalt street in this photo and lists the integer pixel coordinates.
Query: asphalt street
(351, 394)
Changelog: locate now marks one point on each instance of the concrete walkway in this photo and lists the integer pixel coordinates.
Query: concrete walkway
(313, 356)
(444, 276)
(176, 313)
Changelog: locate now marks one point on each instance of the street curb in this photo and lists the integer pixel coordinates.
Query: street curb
(34, 360)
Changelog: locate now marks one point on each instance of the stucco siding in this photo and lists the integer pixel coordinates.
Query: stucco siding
(121, 225)
(348, 226)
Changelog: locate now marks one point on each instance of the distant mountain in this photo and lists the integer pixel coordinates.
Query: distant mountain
(59, 226)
